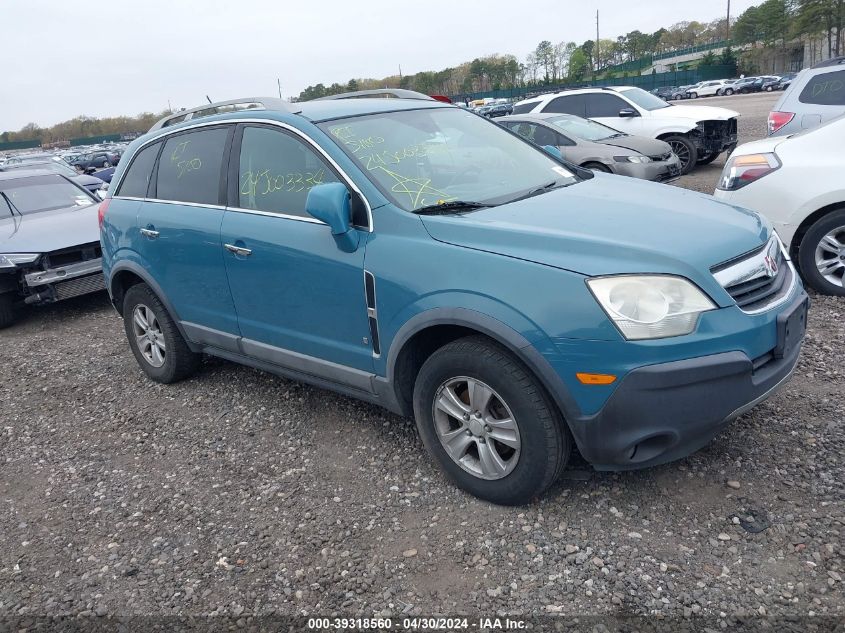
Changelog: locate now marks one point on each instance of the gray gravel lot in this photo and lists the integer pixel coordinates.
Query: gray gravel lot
(237, 492)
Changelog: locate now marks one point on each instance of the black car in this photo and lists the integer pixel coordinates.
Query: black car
(49, 241)
(96, 160)
(747, 85)
(665, 93)
(499, 109)
(678, 93)
(779, 83)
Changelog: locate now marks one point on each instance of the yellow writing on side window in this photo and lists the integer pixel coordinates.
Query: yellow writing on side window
(263, 183)
(185, 164)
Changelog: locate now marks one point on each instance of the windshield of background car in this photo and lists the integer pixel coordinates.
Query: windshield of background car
(584, 128)
(43, 193)
(430, 156)
(645, 100)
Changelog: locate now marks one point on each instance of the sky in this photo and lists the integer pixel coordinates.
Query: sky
(123, 57)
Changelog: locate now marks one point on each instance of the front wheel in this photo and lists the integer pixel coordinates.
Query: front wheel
(684, 150)
(693, 95)
(729, 92)
(155, 340)
(486, 420)
(821, 256)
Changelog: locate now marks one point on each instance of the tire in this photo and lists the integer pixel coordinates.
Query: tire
(177, 361)
(8, 313)
(542, 444)
(728, 92)
(768, 88)
(677, 97)
(597, 167)
(106, 165)
(693, 95)
(706, 159)
(819, 245)
(685, 150)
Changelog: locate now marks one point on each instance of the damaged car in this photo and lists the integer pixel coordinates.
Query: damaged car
(697, 134)
(49, 241)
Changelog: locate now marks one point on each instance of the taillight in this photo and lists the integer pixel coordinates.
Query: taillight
(101, 211)
(778, 119)
(743, 170)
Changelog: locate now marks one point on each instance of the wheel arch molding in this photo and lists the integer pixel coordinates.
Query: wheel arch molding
(447, 324)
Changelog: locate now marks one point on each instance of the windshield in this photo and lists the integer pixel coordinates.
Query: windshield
(645, 100)
(419, 158)
(43, 193)
(60, 167)
(585, 129)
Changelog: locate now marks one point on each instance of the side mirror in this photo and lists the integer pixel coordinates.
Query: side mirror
(628, 113)
(331, 203)
(554, 151)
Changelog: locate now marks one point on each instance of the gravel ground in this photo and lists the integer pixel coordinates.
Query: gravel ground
(237, 493)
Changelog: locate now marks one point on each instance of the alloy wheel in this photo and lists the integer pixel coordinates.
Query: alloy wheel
(682, 152)
(148, 335)
(830, 256)
(476, 428)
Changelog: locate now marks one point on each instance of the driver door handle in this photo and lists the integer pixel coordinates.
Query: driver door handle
(238, 250)
(149, 233)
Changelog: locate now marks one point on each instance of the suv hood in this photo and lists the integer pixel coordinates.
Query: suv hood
(695, 113)
(49, 230)
(610, 225)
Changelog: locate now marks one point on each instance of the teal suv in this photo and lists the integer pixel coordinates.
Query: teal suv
(415, 255)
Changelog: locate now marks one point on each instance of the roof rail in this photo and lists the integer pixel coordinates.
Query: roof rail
(383, 93)
(835, 61)
(224, 107)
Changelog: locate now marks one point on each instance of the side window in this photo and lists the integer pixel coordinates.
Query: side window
(276, 172)
(825, 89)
(189, 167)
(523, 108)
(564, 141)
(137, 177)
(544, 136)
(573, 104)
(604, 105)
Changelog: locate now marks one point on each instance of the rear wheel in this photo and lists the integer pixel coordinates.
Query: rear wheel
(729, 91)
(684, 150)
(486, 420)
(154, 338)
(821, 255)
(8, 313)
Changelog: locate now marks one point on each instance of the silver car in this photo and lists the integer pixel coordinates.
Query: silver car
(598, 147)
(816, 95)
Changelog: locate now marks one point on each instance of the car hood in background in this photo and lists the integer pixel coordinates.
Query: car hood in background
(88, 182)
(696, 113)
(641, 144)
(49, 230)
(609, 225)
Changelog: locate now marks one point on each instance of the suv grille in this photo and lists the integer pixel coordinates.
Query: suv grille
(759, 280)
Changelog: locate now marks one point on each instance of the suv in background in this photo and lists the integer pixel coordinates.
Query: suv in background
(816, 95)
(406, 254)
(706, 89)
(697, 134)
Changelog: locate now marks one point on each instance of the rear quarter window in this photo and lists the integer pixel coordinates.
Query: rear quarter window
(137, 177)
(825, 89)
(524, 108)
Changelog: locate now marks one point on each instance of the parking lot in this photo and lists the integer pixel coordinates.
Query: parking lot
(237, 492)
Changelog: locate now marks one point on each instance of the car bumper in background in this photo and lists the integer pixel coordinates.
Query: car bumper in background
(661, 171)
(666, 411)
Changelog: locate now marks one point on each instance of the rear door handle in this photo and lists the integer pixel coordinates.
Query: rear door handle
(238, 250)
(149, 233)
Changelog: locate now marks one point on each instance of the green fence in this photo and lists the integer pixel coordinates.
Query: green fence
(93, 140)
(646, 82)
(9, 145)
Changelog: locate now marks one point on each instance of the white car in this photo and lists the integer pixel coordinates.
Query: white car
(706, 89)
(697, 134)
(797, 183)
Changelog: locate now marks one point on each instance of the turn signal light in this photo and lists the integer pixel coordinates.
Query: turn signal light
(595, 379)
(101, 211)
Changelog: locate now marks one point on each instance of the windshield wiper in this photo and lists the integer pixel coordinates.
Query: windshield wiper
(554, 184)
(449, 207)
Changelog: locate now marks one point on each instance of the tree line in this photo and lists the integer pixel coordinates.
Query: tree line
(84, 127)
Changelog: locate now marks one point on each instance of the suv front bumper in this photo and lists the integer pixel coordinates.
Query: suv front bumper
(666, 411)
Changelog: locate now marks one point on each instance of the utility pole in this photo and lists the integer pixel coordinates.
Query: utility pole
(279, 83)
(728, 23)
(597, 40)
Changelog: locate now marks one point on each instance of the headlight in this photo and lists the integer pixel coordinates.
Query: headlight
(632, 159)
(743, 170)
(650, 306)
(10, 260)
